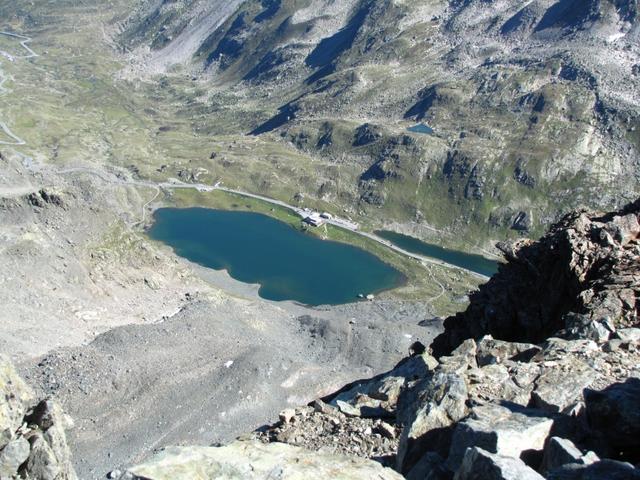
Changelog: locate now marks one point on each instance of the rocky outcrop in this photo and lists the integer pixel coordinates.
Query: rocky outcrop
(42, 198)
(581, 280)
(560, 451)
(32, 436)
(254, 460)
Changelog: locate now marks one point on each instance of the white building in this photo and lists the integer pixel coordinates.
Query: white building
(315, 220)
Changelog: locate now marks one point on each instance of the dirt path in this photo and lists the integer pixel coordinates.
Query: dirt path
(9, 133)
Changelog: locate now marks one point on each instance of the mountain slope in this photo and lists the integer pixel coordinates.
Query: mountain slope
(534, 104)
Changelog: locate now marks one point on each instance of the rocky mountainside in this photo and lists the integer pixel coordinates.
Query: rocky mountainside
(534, 105)
(581, 280)
(544, 384)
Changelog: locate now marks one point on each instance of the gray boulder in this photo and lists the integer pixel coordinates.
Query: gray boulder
(624, 229)
(42, 463)
(255, 461)
(378, 397)
(49, 413)
(427, 413)
(492, 351)
(560, 451)
(579, 326)
(629, 335)
(524, 375)
(461, 359)
(495, 382)
(614, 414)
(558, 348)
(562, 384)
(14, 454)
(602, 470)
(479, 464)
(500, 430)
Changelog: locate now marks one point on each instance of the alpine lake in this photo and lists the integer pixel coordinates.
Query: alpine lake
(288, 264)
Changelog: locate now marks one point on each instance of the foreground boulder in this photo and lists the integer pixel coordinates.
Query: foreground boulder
(497, 429)
(479, 464)
(34, 444)
(255, 460)
(428, 417)
(560, 451)
(566, 374)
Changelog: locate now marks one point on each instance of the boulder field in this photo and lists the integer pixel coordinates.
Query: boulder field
(538, 378)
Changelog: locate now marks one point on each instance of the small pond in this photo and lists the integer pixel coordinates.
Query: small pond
(421, 128)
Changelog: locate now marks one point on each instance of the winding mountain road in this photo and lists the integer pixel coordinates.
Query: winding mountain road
(3, 78)
(23, 43)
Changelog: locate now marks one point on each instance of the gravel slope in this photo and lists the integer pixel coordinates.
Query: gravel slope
(213, 371)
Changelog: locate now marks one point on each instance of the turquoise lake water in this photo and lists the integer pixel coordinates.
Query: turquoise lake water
(475, 263)
(288, 264)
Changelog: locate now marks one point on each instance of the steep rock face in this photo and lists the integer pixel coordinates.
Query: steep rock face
(174, 31)
(581, 280)
(32, 436)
